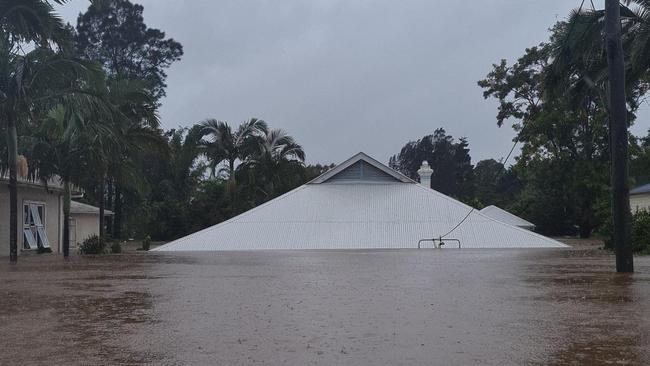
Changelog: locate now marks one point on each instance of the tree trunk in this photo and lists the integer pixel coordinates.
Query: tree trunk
(12, 147)
(117, 215)
(102, 224)
(231, 181)
(109, 203)
(66, 218)
(618, 135)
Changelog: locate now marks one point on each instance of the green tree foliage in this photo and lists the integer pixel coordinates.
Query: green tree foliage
(641, 232)
(183, 197)
(95, 126)
(640, 160)
(450, 159)
(114, 34)
(223, 145)
(275, 163)
(172, 179)
(32, 81)
(495, 185)
(564, 141)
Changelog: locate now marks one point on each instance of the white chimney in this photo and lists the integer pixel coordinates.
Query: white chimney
(425, 172)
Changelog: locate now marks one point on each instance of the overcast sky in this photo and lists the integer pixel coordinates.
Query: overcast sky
(350, 75)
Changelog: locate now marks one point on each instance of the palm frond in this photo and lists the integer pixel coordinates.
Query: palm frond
(35, 21)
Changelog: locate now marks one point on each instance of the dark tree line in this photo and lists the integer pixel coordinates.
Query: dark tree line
(561, 196)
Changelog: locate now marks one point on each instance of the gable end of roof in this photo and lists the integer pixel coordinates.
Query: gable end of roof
(347, 170)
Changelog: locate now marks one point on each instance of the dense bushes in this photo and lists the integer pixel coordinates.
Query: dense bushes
(92, 245)
(640, 233)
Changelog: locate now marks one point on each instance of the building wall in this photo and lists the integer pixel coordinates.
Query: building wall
(640, 202)
(86, 225)
(53, 215)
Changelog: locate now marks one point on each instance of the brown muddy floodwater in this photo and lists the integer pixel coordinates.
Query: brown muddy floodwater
(401, 307)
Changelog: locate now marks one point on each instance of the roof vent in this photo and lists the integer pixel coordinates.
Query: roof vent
(425, 172)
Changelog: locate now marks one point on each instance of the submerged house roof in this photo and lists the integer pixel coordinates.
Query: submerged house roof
(360, 204)
(506, 217)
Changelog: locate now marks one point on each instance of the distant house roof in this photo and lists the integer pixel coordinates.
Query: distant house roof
(83, 208)
(505, 216)
(360, 204)
(641, 189)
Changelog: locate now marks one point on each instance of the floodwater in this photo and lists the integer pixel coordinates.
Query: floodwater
(397, 307)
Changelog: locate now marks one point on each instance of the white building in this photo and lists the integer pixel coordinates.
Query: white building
(40, 216)
(640, 198)
(84, 221)
(359, 204)
(505, 216)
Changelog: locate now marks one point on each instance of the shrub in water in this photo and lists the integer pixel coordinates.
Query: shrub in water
(92, 245)
(116, 247)
(146, 243)
(641, 232)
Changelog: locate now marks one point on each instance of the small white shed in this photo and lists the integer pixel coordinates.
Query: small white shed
(640, 198)
(84, 221)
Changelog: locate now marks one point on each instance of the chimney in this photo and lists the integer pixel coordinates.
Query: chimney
(425, 172)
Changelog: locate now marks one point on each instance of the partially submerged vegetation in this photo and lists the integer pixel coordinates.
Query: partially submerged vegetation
(640, 233)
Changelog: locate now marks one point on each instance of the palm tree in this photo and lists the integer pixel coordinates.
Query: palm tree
(276, 154)
(22, 21)
(35, 81)
(135, 123)
(228, 146)
(69, 144)
(579, 59)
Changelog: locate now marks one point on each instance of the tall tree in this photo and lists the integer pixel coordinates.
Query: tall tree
(173, 178)
(589, 65)
(67, 145)
(114, 34)
(564, 135)
(449, 159)
(22, 22)
(133, 119)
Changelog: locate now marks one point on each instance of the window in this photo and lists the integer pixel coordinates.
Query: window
(34, 235)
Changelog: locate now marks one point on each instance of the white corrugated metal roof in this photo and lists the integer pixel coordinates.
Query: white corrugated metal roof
(359, 215)
(505, 216)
